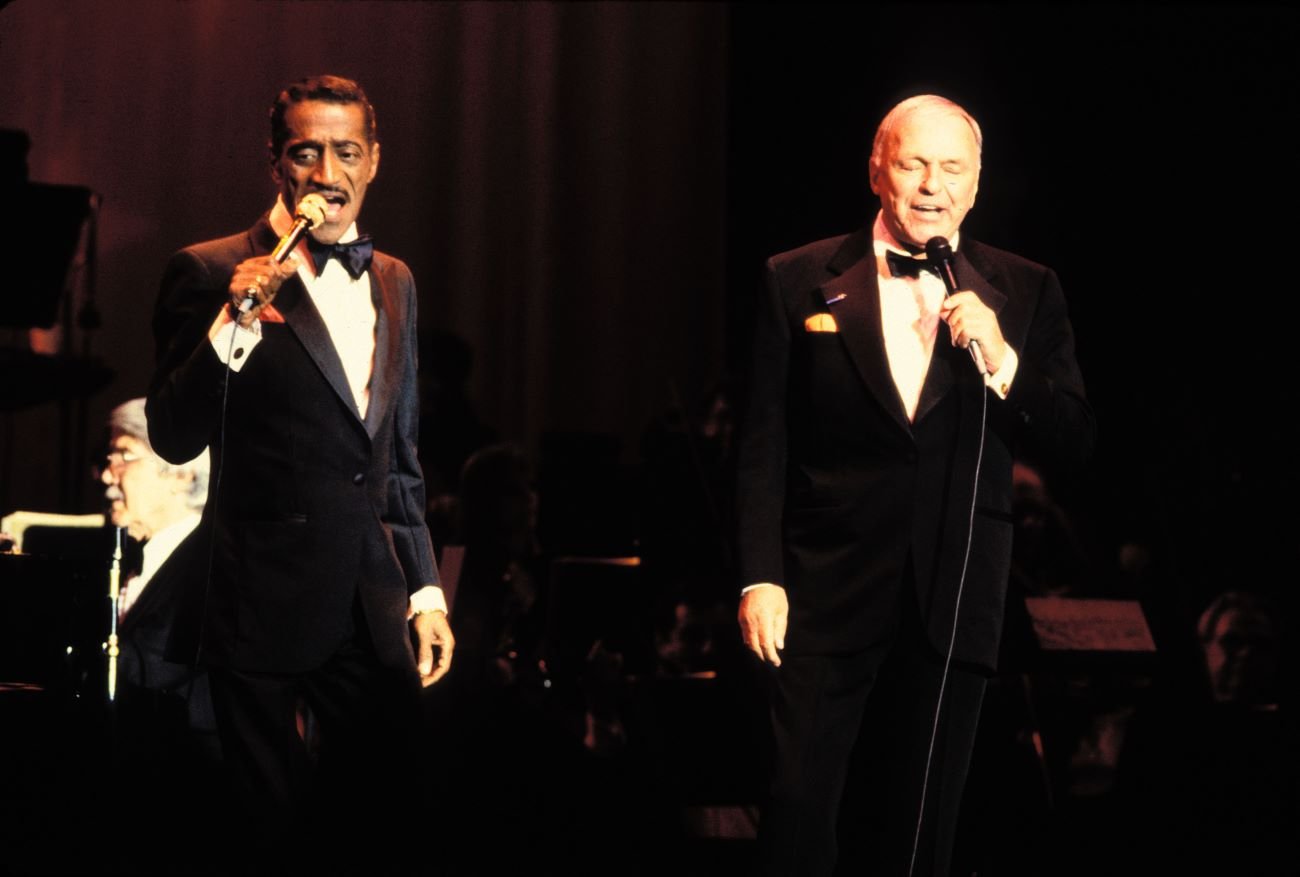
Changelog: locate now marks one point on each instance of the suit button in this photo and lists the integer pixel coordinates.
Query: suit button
(359, 478)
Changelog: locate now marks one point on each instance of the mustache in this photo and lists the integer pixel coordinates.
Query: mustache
(114, 494)
(327, 190)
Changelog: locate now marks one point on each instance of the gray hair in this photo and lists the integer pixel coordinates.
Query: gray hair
(129, 419)
(914, 104)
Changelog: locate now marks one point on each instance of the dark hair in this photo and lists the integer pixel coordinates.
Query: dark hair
(331, 89)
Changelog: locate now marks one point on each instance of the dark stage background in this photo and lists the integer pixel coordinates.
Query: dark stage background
(586, 193)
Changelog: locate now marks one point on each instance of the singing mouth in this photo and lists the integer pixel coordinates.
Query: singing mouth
(334, 200)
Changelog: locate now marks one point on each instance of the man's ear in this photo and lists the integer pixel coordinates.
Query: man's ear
(374, 162)
(181, 480)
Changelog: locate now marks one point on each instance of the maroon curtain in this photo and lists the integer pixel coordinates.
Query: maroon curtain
(553, 174)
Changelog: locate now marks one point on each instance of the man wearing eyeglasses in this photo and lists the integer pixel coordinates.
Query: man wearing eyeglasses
(148, 496)
(157, 503)
(166, 730)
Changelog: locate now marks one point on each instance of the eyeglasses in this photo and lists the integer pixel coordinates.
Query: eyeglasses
(118, 459)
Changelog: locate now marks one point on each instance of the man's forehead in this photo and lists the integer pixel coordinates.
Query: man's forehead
(336, 122)
(933, 124)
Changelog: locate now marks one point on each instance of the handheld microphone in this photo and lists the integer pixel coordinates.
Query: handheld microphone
(939, 251)
(309, 213)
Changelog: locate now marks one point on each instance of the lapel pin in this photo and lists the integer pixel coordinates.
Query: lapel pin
(835, 299)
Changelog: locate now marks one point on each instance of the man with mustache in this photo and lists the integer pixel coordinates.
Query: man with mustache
(322, 571)
(165, 730)
(874, 496)
(158, 504)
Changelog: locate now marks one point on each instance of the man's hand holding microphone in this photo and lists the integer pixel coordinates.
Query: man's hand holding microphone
(256, 281)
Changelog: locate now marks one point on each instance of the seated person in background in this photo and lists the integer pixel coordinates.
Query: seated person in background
(1240, 643)
(167, 754)
(498, 603)
(1212, 783)
(158, 504)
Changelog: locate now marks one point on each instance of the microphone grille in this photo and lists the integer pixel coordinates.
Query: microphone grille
(937, 249)
(312, 208)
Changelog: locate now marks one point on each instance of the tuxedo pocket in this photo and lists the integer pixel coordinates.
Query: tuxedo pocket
(820, 323)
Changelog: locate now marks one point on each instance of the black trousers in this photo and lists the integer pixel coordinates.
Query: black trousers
(324, 765)
(852, 736)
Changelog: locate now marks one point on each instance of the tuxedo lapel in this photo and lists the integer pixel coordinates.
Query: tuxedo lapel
(302, 318)
(940, 376)
(853, 299)
(979, 276)
(388, 348)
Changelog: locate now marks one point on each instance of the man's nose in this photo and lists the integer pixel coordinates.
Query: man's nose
(326, 170)
(931, 183)
(108, 476)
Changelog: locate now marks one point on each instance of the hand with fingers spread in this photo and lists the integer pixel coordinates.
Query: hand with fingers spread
(764, 611)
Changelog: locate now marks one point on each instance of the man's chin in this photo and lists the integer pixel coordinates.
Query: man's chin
(919, 237)
(328, 233)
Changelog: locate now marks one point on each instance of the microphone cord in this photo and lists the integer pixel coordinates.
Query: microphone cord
(214, 493)
(952, 635)
(309, 213)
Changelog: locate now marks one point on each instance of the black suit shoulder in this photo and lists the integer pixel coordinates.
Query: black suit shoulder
(991, 262)
(390, 269)
(220, 249)
(823, 258)
(811, 255)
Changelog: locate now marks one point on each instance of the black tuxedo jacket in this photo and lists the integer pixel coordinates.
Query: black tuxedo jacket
(318, 510)
(147, 628)
(839, 496)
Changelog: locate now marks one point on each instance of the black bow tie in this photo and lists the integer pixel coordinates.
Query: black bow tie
(354, 255)
(906, 266)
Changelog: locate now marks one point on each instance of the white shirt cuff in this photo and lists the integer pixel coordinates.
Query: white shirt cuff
(745, 590)
(232, 342)
(1000, 381)
(428, 599)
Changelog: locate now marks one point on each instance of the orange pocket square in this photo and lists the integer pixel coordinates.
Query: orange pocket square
(820, 323)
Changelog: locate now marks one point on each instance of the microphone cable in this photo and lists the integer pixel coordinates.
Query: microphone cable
(214, 492)
(309, 213)
(952, 636)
